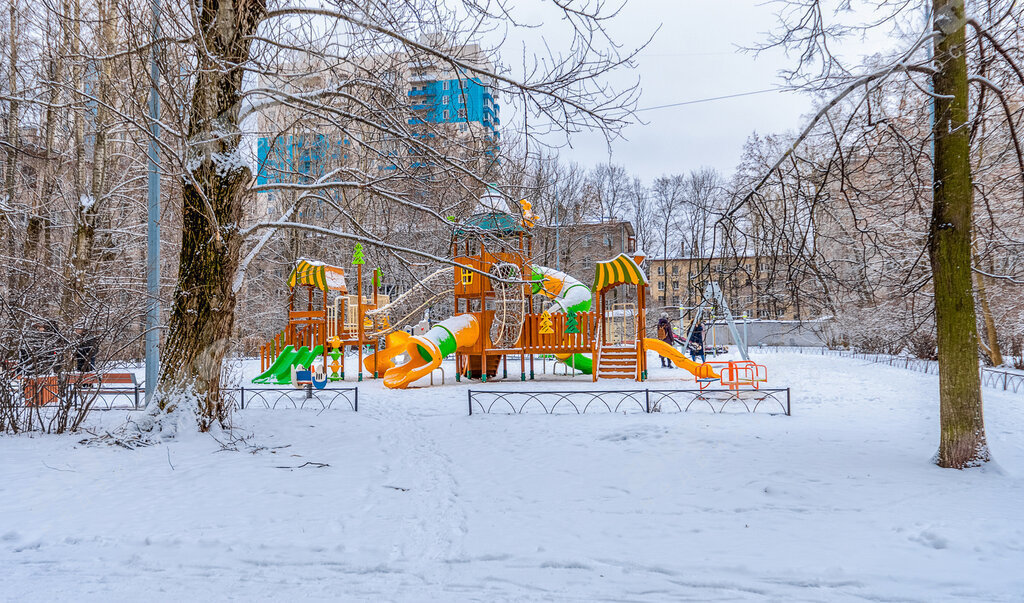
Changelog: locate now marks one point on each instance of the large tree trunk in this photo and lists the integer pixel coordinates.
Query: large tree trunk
(214, 191)
(37, 222)
(84, 235)
(12, 127)
(76, 244)
(962, 440)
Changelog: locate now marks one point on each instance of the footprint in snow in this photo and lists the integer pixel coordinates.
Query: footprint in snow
(931, 540)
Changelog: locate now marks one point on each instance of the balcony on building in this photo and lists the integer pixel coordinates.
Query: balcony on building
(426, 94)
(422, 78)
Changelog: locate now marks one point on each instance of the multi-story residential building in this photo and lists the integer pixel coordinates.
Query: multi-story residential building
(752, 285)
(442, 105)
(576, 247)
(441, 95)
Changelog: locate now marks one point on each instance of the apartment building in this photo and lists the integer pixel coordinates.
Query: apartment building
(752, 285)
(575, 248)
(420, 99)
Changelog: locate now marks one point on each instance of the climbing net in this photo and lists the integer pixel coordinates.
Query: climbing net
(409, 306)
(509, 305)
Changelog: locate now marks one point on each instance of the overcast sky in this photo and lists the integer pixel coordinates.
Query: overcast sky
(694, 56)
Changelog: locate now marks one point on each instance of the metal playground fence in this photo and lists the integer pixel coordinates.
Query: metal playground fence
(490, 401)
(990, 377)
(240, 398)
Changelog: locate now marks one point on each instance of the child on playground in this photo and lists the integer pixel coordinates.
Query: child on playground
(665, 334)
(696, 343)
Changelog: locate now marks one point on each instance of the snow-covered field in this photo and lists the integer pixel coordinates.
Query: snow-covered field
(419, 502)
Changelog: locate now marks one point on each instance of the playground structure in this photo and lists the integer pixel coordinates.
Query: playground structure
(497, 316)
(318, 322)
(598, 330)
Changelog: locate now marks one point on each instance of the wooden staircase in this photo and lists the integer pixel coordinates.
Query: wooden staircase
(617, 361)
(493, 362)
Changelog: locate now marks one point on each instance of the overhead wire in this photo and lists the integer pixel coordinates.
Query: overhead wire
(715, 98)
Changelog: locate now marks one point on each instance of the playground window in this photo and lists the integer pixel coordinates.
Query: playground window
(467, 277)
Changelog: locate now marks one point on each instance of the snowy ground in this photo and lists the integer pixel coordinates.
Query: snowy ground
(423, 503)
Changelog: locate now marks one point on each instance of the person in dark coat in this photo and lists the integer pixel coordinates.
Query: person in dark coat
(696, 344)
(665, 334)
(85, 354)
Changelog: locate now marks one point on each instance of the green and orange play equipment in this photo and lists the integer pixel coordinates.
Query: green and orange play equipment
(322, 316)
(494, 292)
(599, 330)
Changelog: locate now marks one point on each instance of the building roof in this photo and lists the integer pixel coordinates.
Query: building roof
(319, 275)
(713, 258)
(494, 222)
(620, 270)
(591, 223)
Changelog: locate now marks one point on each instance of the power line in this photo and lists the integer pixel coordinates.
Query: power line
(714, 98)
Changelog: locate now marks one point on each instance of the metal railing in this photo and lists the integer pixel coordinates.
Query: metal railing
(240, 398)
(626, 401)
(990, 377)
(270, 398)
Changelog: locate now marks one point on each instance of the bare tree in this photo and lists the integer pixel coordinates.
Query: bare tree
(667, 194)
(611, 186)
(642, 215)
(245, 59)
(854, 110)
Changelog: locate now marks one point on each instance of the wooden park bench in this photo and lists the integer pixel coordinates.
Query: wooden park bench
(43, 390)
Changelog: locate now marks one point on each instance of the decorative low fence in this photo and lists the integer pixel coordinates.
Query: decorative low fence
(490, 401)
(240, 398)
(270, 398)
(990, 377)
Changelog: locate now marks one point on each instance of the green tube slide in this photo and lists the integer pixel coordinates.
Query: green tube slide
(440, 335)
(569, 296)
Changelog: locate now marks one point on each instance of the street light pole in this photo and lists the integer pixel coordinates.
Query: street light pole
(558, 247)
(153, 211)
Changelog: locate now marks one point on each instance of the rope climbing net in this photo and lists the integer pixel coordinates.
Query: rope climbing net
(509, 305)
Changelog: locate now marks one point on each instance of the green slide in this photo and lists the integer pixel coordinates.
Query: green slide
(580, 362)
(285, 358)
(280, 372)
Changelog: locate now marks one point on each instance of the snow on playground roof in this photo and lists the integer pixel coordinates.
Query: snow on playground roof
(495, 222)
(318, 274)
(617, 271)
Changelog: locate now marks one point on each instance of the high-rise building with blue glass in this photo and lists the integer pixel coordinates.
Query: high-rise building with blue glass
(467, 102)
(460, 104)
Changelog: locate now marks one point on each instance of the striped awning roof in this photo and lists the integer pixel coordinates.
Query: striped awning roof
(618, 271)
(319, 275)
